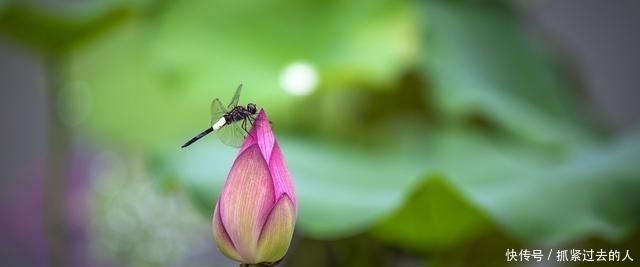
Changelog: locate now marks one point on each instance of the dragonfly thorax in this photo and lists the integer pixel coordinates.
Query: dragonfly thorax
(239, 113)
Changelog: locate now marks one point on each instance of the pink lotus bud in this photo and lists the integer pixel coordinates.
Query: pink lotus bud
(255, 215)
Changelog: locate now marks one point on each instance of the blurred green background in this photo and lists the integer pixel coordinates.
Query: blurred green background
(418, 133)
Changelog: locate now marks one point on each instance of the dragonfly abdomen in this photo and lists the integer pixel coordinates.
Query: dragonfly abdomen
(221, 122)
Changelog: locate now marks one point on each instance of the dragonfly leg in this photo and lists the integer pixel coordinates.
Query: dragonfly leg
(252, 120)
(244, 125)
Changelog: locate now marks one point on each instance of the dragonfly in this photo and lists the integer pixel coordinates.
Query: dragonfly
(230, 123)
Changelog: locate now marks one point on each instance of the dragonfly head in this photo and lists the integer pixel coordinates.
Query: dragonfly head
(251, 107)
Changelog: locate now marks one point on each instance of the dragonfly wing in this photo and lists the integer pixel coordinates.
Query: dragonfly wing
(236, 97)
(217, 110)
(232, 134)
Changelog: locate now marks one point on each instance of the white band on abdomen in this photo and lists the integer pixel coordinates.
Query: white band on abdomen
(219, 124)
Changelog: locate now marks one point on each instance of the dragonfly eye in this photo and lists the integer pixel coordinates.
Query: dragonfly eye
(251, 107)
